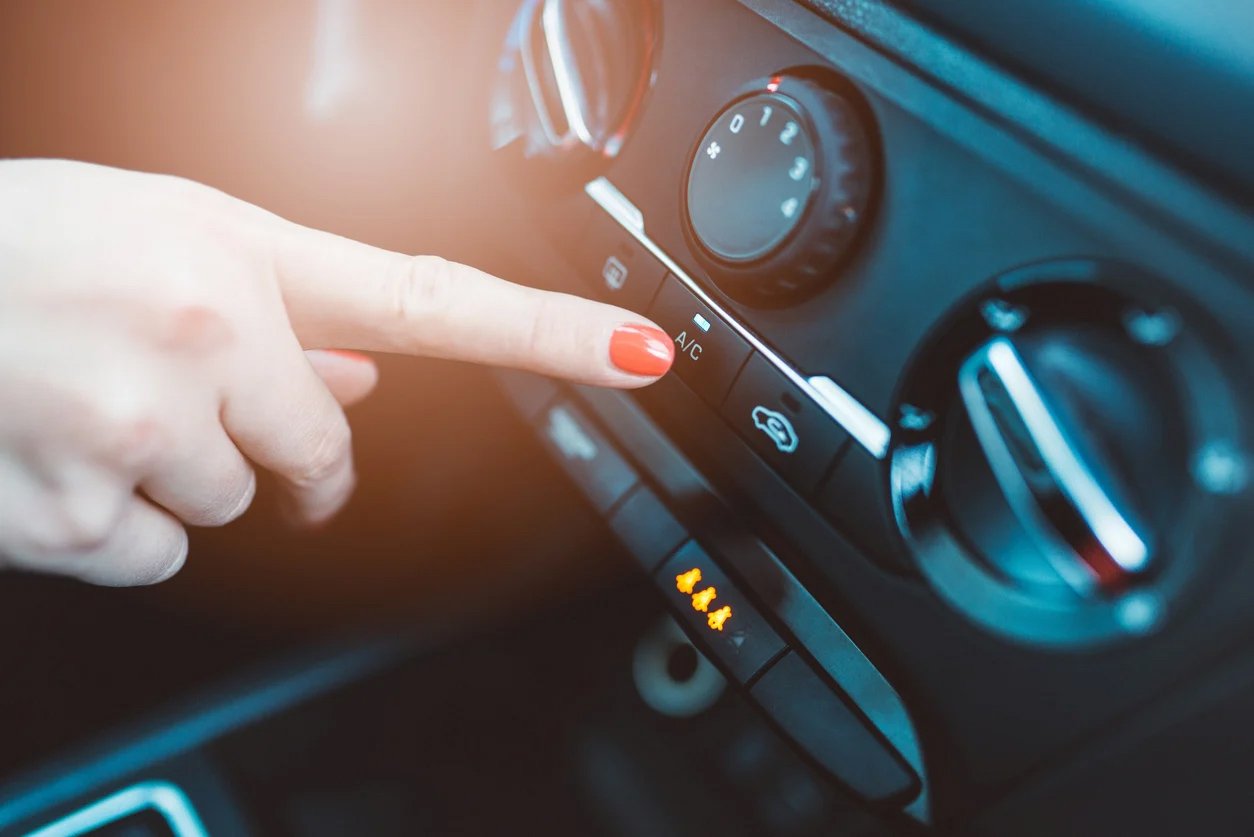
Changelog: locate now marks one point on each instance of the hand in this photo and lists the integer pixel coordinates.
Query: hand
(153, 348)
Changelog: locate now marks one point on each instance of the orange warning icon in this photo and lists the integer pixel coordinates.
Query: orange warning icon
(701, 601)
(717, 619)
(687, 582)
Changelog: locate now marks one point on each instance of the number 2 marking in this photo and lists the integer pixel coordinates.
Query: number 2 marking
(789, 133)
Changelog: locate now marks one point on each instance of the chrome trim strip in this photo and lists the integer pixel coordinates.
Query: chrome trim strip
(863, 425)
(165, 798)
(623, 211)
(849, 412)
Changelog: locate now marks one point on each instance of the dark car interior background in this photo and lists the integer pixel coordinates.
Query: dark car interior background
(936, 525)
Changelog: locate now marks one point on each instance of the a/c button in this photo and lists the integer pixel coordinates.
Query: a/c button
(708, 353)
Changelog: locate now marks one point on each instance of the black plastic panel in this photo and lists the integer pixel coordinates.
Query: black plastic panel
(972, 188)
(1169, 73)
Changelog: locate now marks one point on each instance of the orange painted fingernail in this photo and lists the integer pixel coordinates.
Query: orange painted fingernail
(349, 355)
(641, 350)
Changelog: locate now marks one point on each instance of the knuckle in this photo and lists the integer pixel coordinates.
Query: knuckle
(117, 420)
(230, 502)
(132, 440)
(173, 186)
(82, 525)
(191, 193)
(552, 339)
(424, 289)
(213, 214)
(540, 334)
(196, 327)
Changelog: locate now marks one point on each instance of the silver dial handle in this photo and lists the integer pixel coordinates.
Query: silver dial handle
(1053, 492)
(569, 125)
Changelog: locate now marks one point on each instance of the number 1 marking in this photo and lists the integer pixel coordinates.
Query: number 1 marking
(767, 110)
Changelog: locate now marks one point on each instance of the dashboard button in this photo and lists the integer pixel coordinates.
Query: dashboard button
(619, 267)
(726, 625)
(783, 425)
(648, 530)
(586, 455)
(819, 720)
(708, 353)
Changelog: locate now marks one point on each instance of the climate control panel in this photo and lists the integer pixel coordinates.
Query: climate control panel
(988, 411)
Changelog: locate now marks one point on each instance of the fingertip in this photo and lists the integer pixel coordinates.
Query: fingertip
(313, 512)
(177, 558)
(642, 350)
(350, 376)
(150, 547)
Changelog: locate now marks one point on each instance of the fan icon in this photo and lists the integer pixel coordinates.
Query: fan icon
(714, 150)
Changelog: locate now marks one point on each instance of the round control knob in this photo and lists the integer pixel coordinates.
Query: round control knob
(770, 161)
(573, 78)
(1069, 455)
(778, 189)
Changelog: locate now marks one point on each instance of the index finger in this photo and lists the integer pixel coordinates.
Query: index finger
(345, 294)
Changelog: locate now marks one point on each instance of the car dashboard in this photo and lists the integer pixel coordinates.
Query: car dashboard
(946, 489)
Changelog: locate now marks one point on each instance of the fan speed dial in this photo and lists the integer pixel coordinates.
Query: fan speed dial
(778, 188)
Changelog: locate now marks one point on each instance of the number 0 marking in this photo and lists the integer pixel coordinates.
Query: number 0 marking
(738, 122)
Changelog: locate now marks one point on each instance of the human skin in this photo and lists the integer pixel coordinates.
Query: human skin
(159, 339)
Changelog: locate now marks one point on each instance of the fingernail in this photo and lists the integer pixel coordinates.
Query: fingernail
(641, 350)
(357, 357)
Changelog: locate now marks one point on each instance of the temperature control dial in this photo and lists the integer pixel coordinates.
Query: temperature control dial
(1071, 458)
(778, 188)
